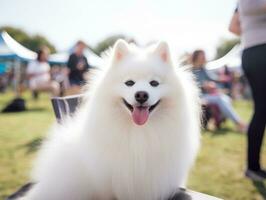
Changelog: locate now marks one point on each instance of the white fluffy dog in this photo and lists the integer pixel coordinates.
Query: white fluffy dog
(135, 136)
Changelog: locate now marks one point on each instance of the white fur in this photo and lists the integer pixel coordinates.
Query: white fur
(102, 154)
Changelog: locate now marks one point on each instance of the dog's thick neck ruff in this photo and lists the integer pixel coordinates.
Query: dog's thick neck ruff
(148, 161)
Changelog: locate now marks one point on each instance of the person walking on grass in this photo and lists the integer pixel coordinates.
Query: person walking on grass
(249, 22)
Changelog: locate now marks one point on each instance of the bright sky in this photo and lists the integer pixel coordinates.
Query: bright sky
(185, 24)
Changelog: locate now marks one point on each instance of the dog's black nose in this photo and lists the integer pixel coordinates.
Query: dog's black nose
(141, 97)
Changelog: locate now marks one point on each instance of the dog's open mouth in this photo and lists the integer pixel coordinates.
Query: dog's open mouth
(140, 114)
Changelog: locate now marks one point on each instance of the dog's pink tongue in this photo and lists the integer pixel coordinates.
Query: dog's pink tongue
(140, 115)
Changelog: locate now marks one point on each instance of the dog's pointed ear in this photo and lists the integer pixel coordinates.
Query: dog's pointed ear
(162, 50)
(120, 50)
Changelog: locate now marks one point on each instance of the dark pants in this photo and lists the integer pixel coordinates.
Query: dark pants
(254, 65)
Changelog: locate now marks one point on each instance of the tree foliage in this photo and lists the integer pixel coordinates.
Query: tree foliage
(33, 42)
(225, 46)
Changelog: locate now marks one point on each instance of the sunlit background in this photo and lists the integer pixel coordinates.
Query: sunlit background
(186, 24)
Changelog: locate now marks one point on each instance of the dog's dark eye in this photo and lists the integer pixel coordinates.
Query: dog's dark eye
(129, 83)
(154, 83)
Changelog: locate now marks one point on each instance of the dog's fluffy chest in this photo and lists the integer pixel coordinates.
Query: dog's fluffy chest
(140, 165)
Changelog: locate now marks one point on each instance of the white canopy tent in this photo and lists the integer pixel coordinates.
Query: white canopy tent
(11, 49)
(62, 57)
(232, 60)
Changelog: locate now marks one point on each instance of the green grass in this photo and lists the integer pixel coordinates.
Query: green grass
(18, 134)
(218, 170)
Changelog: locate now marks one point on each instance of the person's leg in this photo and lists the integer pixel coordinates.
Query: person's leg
(254, 65)
(52, 87)
(216, 114)
(255, 136)
(55, 88)
(225, 106)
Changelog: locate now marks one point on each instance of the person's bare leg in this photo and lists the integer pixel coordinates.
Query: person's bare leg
(52, 87)
(55, 88)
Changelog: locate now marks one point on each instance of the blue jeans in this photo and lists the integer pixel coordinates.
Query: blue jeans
(224, 104)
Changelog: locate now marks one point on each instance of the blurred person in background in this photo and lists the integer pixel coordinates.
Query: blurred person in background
(78, 66)
(60, 75)
(210, 92)
(3, 77)
(38, 73)
(249, 22)
(226, 78)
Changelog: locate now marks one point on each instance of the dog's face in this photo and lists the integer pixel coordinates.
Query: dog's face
(141, 79)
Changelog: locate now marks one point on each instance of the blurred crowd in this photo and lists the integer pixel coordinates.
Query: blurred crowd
(218, 87)
(39, 76)
(230, 81)
(216, 92)
(60, 80)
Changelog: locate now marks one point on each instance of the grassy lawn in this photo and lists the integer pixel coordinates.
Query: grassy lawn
(218, 171)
